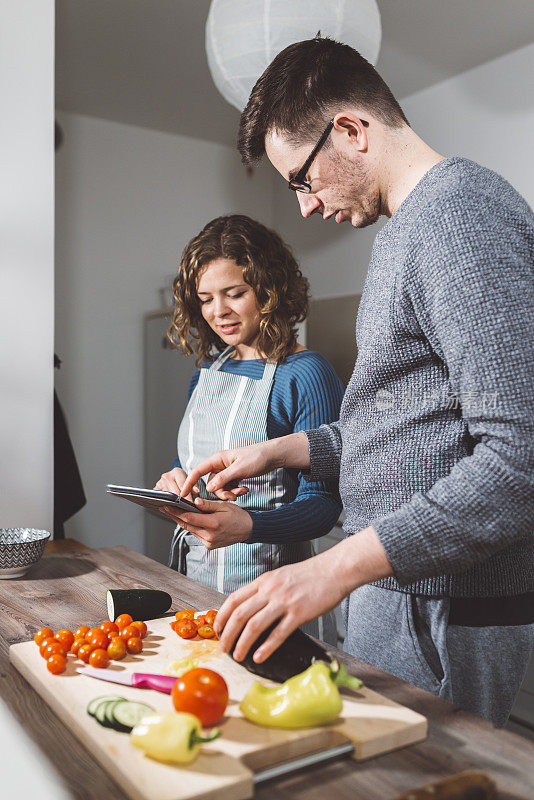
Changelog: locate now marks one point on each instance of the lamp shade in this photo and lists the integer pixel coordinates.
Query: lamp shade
(243, 36)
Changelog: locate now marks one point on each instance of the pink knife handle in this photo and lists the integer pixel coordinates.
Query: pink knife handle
(161, 683)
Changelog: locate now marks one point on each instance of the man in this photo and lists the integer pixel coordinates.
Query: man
(434, 449)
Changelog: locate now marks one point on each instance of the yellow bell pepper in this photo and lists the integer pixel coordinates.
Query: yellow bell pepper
(173, 736)
(308, 699)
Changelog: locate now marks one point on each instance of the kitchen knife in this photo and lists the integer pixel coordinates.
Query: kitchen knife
(139, 680)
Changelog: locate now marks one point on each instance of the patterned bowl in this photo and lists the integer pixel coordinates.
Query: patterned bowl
(19, 549)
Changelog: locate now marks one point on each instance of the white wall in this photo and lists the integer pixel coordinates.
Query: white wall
(486, 114)
(27, 262)
(128, 200)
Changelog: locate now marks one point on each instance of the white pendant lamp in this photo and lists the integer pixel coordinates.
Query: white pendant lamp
(243, 36)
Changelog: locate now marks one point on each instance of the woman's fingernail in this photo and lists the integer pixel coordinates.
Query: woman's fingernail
(258, 656)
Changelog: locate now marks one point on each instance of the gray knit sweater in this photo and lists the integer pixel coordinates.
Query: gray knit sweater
(435, 443)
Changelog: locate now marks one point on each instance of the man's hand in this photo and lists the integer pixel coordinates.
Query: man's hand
(226, 524)
(228, 467)
(298, 593)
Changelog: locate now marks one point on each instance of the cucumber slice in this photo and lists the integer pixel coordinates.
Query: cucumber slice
(109, 712)
(127, 714)
(93, 705)
(142, 604)
(100, 711)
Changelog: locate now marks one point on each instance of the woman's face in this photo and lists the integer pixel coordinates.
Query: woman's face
(228, 304)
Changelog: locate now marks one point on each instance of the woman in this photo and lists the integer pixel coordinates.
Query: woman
(240, 292)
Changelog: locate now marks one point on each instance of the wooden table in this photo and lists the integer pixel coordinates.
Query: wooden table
(68, 589)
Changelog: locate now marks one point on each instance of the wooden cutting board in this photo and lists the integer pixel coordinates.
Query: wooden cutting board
(225, 768)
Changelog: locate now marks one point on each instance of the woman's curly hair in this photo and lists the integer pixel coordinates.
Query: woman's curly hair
(269, 267)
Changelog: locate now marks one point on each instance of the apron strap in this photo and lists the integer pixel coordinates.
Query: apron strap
(224, 356)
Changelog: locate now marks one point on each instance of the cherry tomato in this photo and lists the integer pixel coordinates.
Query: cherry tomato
(65, 636)
(128, 632)
(173, 625)
(42, 634)
(56, 663)
(142, 628)
(210, 617)
(55, 647)
(124, 620)
(45, 643)
(199, 620)
(188, 613)
(134, 645)
(201, 692)
(186, 628)
(81, 632)
(109, 627)
(85, 651)
(99, 658)
(117, 648)
(98, 639)
(75, 646)
(206, 632)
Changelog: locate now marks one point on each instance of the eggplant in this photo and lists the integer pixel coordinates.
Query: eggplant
(293, 656)
(141, 604)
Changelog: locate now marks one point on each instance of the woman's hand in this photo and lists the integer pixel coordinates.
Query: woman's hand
(173, 481)
(227, 523)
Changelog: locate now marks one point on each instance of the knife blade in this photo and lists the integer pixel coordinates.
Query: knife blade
(139, 680)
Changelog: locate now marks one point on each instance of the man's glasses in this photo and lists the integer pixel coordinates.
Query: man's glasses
(298, 183)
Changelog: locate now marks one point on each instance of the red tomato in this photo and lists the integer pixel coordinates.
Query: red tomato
(55, 647)
(124, 620)
(206, 632)
(210, 617)
(117, 648)
(42, 634)
(128, 631)
(56, 663)
(201, 692)
(99, 658)
(188, 613)
(141, 626)
(84, 652)
(98, 639)
(109, 627)
(81, 632)
(186, 628)
(65, 636)
(134, 645)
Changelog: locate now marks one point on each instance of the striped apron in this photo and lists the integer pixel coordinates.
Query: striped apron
(226, 411)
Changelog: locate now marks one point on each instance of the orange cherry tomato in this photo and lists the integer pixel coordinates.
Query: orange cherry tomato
(65, 636)
(85, 651)
(199, 620)
(42, 634)
(81, 632)
(128, 632)
(109, 627)
(173, 625)
(56, 663)
(45, 643)
(99, 658)
(188, 613)
(210, 617)
(134, 645)
(186, 628)
(99, 639)
(142, 628)
(55, 647)
(75, 646)
(117, 648)
(123, 620)
(206, 632)
(201, 692)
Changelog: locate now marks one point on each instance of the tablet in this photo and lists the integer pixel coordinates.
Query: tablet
(152, 499)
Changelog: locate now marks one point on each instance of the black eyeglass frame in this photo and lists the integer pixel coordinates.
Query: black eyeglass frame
(297, 183)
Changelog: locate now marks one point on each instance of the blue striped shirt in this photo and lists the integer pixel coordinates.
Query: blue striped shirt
(306, 393)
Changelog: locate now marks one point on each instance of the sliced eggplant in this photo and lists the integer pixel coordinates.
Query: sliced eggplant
(141, 604)
(293, 656)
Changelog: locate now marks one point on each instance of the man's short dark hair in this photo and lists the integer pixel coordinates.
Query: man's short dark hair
(301, 90)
